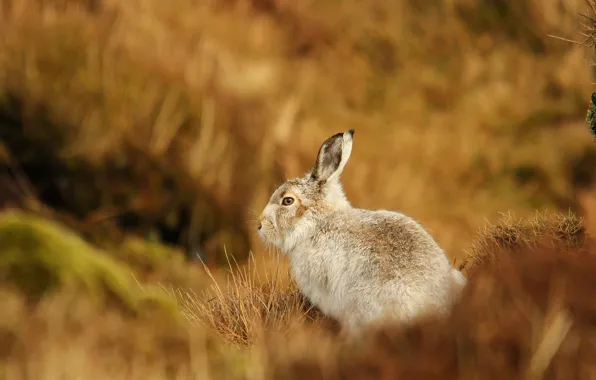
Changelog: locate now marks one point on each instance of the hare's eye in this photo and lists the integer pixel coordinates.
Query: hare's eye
(287, 201)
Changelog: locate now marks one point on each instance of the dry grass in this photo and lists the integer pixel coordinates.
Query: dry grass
(527, 315)
(70, 338)
(250, 305)
(510, 234)
(463, 109)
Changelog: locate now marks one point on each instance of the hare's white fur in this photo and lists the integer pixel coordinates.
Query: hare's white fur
(356, 265)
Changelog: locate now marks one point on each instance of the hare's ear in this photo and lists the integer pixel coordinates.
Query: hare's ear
(332, 157)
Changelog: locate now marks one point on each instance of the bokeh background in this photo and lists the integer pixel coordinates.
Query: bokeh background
(143, 136)
(174, 121)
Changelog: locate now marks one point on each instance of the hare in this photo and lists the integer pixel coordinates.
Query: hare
(355, 265)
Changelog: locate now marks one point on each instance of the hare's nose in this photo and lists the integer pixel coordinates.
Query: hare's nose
(259, 226)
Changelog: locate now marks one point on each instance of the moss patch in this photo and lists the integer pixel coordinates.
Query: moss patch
(39, 256)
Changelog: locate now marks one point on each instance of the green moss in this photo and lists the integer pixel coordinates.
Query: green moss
(39, 256)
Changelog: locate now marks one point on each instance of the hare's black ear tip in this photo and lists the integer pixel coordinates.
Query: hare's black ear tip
(351, 132)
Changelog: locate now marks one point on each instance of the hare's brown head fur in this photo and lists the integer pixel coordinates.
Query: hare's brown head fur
(301, 200)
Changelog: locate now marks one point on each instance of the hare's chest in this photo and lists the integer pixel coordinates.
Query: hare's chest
(320, 281)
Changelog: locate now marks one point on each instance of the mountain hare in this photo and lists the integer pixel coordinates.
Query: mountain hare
(355, 265)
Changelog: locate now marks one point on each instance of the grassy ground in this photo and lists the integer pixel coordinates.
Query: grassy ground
(121, 117)
(525, 314)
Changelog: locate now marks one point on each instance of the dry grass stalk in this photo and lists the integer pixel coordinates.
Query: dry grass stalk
(246, 306)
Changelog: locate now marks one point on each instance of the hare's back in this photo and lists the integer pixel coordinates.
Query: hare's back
(387, 238)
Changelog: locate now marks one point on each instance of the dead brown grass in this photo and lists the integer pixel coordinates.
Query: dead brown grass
(510, 234)
(68, 337)
(463, 109)
(250, 305)
(525, 316)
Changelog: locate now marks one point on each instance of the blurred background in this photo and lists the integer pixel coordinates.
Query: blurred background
(156, 130)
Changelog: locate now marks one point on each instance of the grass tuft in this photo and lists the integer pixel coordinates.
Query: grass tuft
(250, 304)
(511, 235)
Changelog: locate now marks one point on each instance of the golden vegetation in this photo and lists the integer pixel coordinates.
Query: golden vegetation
(510, 234)
(125, 125)
(526, 315)
(249, 305)
(147, 114)
(523, 317)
